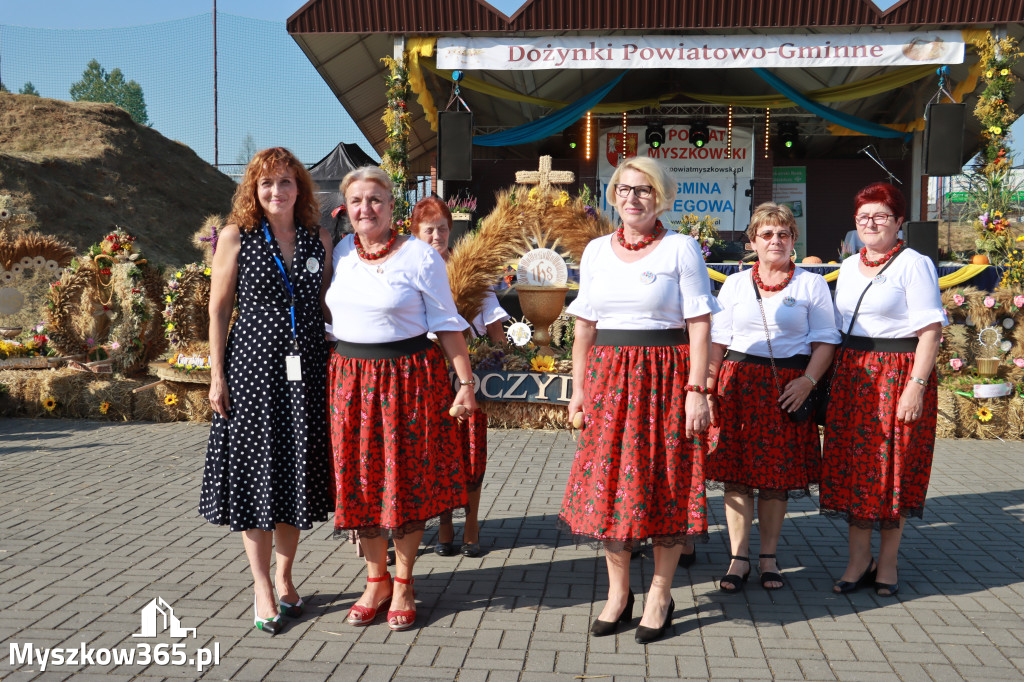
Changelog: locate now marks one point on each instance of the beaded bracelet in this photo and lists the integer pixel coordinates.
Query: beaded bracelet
(695, 388)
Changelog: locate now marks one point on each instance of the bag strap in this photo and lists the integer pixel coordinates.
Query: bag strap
(853, 318)
(767, 336)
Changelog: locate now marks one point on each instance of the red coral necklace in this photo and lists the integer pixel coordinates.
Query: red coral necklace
(881, 261)
(778, 287)
(643, 243)
(379, 254)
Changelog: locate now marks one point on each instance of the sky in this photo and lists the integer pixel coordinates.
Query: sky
(311, 127)
(114, 13)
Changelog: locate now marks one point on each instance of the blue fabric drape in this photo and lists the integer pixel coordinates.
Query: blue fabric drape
(852, 122)
(547, 126)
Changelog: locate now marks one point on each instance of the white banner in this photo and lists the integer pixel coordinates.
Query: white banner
(709, 181)
(701, 52)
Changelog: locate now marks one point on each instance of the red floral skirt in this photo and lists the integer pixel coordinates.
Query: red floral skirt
(636, 475)
(473, 433)
(755, 446)
(875, 469)
(397, 454)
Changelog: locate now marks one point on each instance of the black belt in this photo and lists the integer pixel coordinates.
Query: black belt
(387, 350)
(641, 337)
(792, 362)
(880, 345)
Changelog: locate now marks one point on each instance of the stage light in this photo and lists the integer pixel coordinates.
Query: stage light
(571, 138)
(699, 135)
(788, 134)
(655, 135)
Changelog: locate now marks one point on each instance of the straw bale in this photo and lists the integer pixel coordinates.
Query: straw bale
(525, 415)
(947, 423)
(1015, 417)
(969, 424)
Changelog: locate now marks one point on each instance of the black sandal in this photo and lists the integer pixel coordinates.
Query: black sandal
(771, 576)
(735, 581)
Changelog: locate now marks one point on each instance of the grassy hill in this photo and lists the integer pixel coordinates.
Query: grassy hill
(83, 168)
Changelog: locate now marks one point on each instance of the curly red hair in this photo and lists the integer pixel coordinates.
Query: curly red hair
(882, 193)
(429, 208)
(246, 211)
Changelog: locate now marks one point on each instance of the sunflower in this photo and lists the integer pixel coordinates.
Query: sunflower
(50, 403)
(984, 415)
(542, 363)
(171, 399)
(104, 407)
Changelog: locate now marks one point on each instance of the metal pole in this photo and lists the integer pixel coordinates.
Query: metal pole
(216, 151)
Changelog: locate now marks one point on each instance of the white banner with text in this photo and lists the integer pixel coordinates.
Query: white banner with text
(702, 52)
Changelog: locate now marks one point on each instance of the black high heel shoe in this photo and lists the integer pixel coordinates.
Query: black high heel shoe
(645, 635)
(867, 578)
(890, 589)
(603, 628)
(687, 560)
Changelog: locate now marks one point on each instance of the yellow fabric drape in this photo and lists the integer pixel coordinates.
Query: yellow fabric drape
(951, 280)
(414, 49)
(842, 93)
(960, 276)
(964, 88)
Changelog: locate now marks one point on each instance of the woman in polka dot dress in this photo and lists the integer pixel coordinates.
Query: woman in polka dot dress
(268, 472)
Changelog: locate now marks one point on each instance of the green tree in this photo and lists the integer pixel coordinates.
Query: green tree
(99, 86)
(29, 89)
(3, 88)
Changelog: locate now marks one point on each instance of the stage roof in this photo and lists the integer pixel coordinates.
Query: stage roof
(345, 40)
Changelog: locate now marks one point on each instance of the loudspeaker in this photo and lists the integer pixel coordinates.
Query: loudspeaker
(923, 236)
(455, 145)
(944, 139)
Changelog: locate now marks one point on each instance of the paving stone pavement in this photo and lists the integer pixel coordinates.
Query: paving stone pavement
(99, 519)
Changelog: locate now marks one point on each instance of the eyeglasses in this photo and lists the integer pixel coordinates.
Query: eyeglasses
(641, 191)
(878, 218)
(768, 234)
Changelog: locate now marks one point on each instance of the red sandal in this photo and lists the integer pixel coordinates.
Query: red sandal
(364, 615)
(394, 615)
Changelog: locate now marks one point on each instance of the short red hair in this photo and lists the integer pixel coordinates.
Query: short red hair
(427, 209)
(882, 193)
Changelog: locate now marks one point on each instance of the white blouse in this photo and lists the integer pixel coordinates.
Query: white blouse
(408, 297)
(490, 311)
(903, 300)
(799, 315)
(660, 291)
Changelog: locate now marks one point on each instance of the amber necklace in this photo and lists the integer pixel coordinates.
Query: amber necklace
(884, 259)
(643, 243)
(778, 287)
(379, 254)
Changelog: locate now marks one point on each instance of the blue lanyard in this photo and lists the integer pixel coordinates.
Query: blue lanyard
(284, 276)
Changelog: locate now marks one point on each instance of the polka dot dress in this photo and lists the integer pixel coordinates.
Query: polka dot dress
(269, 463)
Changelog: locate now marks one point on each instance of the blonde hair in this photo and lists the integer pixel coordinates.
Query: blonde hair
(770, 213)
(664, 187)
(370, 173)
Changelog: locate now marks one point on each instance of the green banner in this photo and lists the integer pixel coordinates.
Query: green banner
(787, 174)
(964, 197)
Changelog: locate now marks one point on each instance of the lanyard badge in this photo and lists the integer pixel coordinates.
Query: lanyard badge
(293, 362)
